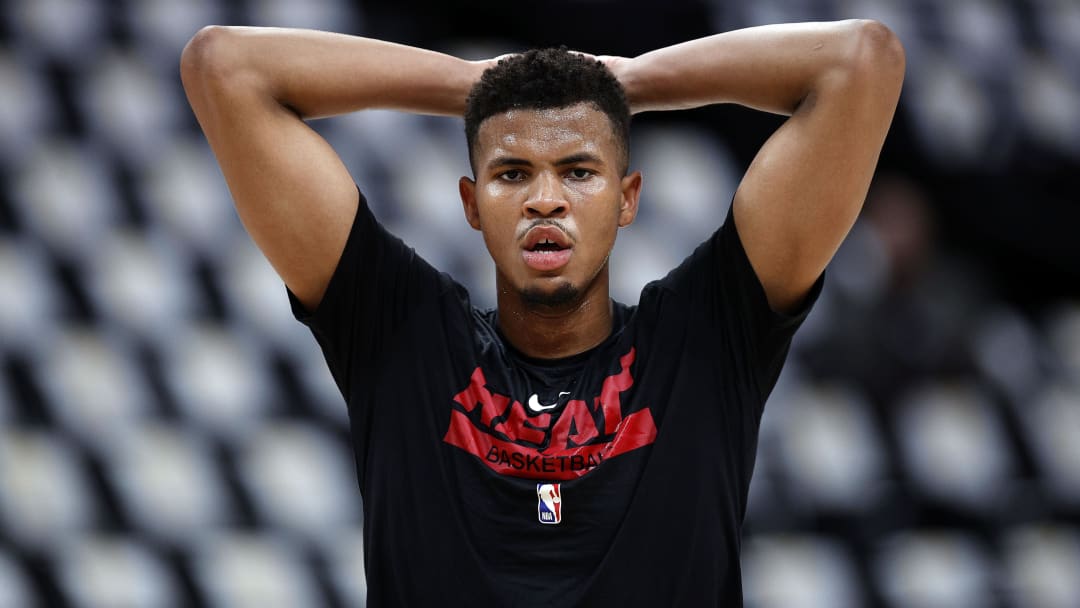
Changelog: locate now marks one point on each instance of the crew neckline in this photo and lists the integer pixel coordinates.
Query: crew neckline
(575, 360)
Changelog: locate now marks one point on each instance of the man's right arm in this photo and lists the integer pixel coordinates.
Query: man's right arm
(252, 88)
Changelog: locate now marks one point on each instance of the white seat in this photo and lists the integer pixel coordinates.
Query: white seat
(1049, 102)
(94, 387)
(1007, 350)
(185, 194)
(345, 556)
(163, 27)
(1058, 22)
(65, 195)
(44, 497)
(242, 570)
(954, 446)
(830, 448)
(951, 112)
(257, 296)
(68, 29)
(690, 180)
(1063, 331)
(301, 479)
(1041, 562)
(901, 16)
(169, 482)
(15, 590)
(427, 198)
(333, 15)
(984, 35)
(99, 571)
(30, 304)
(219, 378)
(1051, 424)
(799, 571)
(773, 11)
(26, 108)
(139, 281)
(7, 408)
(130, 104)
(934, 570)
(319, 384)
(640, 257)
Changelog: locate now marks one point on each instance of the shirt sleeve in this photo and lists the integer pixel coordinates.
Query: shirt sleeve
(720, 288)
(378, 282)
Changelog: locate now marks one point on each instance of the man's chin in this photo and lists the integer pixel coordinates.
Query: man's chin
(550, 296)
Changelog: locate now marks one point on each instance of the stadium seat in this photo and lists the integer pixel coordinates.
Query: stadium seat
(95, 389)
(799, 571)
(184, 194)
(301, 479)
(14, 587)
(953, 446)
(44, 496)
(344, 553)
(129, 105)
(72, 30)
(148, 357)
(107, 571)
(219, 378)
(245, 570)
(30, 304)
(334, 15)
(933, 569)
(26, 108)
(831, 450)
(1051, 421)
(1041, 562)
(141, 284)
(64, 193)
(256, 297)
(169, 482)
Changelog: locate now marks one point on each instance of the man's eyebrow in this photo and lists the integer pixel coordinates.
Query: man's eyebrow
(573, 159)
(580, 157)
(506, 161)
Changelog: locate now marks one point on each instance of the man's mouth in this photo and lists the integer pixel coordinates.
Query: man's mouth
(547, 245)
(546, 248)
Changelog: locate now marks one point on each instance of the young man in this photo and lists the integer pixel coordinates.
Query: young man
(562, 449)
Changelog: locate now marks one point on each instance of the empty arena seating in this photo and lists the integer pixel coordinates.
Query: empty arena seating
(170, 436)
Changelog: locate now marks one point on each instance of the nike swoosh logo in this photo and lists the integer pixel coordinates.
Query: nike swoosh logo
(534, 402)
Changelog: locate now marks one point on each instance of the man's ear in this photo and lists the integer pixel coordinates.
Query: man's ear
(631, 193)
(467, 189)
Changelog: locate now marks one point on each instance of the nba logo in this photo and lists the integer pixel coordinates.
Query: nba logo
(549, 503)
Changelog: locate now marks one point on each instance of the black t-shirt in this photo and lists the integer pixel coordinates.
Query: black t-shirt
(616, 477)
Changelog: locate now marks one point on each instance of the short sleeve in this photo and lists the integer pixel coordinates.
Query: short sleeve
(719, 287)
(378, 282)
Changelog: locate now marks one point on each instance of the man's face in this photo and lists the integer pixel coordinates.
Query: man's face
(549, 197)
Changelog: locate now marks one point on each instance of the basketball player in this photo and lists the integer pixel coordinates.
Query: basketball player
(562, 449)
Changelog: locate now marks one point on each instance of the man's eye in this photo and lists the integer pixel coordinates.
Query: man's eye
(513, 175)
(580, 173)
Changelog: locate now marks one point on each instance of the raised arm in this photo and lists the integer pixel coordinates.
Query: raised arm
(251, 88)
(839, 82)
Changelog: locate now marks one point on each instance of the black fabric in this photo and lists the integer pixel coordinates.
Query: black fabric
(650, 436)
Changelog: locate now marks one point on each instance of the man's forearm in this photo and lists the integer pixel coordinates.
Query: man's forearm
(771, 67)
(322, 74)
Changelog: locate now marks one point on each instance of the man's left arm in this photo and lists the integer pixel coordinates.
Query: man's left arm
(839, 83)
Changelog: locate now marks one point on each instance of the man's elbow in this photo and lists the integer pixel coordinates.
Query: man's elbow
(879, 54)
(208, 58)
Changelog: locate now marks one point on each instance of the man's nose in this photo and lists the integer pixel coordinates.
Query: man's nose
(546, 198)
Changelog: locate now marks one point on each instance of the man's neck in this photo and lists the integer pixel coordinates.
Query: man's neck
(554, 332)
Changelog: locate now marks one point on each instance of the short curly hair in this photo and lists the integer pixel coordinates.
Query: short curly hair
(540, 79)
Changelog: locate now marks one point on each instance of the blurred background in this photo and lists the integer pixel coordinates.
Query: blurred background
(169, 436)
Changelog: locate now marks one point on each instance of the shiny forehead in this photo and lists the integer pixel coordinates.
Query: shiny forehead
(541, 135)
